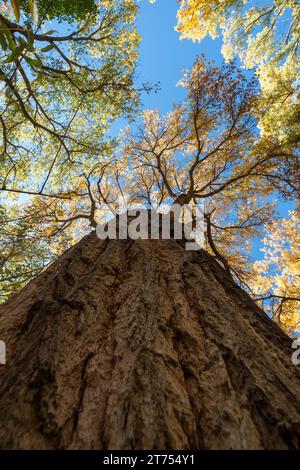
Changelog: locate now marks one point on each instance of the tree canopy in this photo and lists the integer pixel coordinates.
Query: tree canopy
(264, 35)
(68, 72)
(54, 84)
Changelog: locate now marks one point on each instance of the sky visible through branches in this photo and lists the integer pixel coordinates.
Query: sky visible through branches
(131, 104)
(162, 58)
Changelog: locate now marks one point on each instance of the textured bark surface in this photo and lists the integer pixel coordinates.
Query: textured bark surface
(143, 345)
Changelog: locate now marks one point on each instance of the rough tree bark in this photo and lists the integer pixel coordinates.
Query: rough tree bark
(143, 345)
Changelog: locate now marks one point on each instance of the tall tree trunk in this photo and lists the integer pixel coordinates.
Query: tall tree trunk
(143, 345)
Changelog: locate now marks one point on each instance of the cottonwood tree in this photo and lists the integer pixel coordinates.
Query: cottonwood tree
(140, 344)
(204, 150)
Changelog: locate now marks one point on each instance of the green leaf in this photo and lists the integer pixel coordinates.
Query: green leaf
(34, 62)
(16, 7)
(47, 48)
(9, 59)
(30, 36)
(3, 41)
(16, 53)
(48, 33)
(26, 44)
(10, 39)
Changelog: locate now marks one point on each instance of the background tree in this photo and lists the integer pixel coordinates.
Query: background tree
(257, 33)
(265, 36)
(278, 272)
(55, 82)
(65, 78)
(139, 344)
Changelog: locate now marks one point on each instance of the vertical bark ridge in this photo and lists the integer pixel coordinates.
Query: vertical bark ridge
(141, 344)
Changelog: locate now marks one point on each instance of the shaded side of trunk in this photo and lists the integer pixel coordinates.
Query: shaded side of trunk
(143, 345)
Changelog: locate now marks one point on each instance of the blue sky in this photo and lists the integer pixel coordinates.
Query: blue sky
(163, 55)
